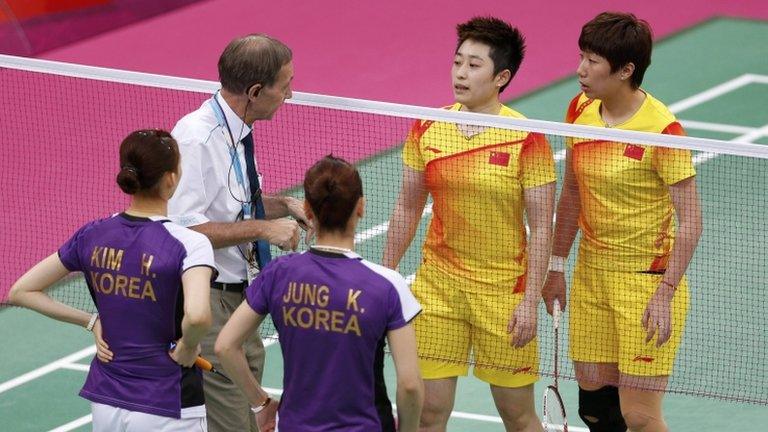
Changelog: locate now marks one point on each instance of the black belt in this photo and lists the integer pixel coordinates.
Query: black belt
(237, 287)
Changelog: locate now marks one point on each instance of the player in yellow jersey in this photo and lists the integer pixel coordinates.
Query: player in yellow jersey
(640, 220)
(481, 275)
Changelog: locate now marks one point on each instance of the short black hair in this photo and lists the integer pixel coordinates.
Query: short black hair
(250, 60)
(621, 38)
(506, 42)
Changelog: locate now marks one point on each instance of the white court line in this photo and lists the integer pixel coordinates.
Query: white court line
(455, 414)
(384, 227)
(277, 392)
(50, 367)
(753, 135)
(747, 137)
(77, 366)
(68, 362)
(758, 79)
(716, 127)
(717, 91)
(74, 424)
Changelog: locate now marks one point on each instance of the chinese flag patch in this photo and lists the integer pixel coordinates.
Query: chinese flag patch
(635, 152)
(499, 158)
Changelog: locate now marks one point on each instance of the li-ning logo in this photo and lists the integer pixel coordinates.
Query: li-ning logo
(433, 150)
(521, 370)
(644, 359)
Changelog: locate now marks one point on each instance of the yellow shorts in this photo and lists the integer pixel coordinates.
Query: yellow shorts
(606, 310)
(454, 324)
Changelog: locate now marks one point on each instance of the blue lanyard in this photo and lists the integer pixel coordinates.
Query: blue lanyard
(218, 111)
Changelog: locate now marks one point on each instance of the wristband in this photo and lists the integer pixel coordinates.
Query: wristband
(557, 264)
(92, 322)
(261, 407)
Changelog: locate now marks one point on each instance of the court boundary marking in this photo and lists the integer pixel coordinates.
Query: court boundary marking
(748, 134)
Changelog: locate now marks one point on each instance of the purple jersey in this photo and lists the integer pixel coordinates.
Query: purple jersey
(133, 268)
(330, 310)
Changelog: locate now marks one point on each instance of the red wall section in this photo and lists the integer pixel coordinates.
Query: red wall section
(23, 9)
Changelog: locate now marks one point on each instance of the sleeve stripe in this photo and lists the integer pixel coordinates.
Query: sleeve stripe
(419, 128)
(213, 276)
(575, 110)
(480, 149)
(408, 321)
(408, 302)
(197, 247)
(674, 128)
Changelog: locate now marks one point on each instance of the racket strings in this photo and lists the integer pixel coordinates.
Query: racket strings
(554, 416)
(554, 412)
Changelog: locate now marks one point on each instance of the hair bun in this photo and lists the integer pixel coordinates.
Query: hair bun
(128, 179)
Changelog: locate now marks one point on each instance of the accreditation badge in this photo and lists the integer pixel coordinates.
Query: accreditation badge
(253, 271)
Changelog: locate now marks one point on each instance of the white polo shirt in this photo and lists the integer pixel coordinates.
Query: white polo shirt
(208, 179)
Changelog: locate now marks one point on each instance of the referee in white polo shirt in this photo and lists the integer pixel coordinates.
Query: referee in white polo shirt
(220, 196)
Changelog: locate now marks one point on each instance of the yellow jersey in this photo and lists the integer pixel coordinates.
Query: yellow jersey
(627, 218)
(477, 232)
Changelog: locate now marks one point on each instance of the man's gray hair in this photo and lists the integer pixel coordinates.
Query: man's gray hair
(250, 60)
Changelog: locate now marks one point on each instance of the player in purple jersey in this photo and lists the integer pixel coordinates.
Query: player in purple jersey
(150, 282)
(331, 308)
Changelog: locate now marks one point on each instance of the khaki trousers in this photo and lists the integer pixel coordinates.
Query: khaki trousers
(227, 408)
